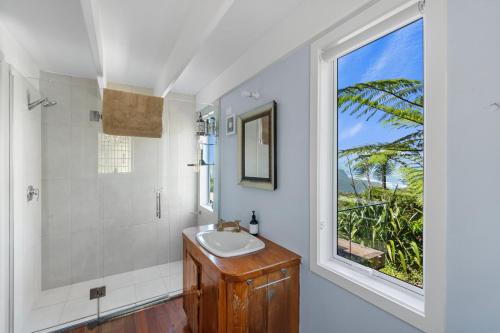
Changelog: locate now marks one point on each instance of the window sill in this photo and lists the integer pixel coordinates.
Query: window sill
(207, 207)
(391, 298)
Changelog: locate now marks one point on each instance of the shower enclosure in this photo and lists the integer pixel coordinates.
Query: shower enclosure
(89, 210)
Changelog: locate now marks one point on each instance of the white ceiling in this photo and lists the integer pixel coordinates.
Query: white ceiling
(243, 24)
(53, 32)
(137, 40)
(138, 36)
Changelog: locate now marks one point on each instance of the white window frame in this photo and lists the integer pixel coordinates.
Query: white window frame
(425, 310)
(387, 27)
(208, 214)
(204, 183)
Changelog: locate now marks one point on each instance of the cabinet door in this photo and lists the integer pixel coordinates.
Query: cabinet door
(273, 302)
(209, 318)
(191, 291)
(283, 301)
(257, 305)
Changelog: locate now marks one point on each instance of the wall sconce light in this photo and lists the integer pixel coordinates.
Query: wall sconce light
(250, 94)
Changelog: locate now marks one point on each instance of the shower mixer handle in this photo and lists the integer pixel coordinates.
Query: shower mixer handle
(32, 192)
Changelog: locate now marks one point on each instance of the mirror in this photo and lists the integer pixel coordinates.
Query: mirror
(257, 147)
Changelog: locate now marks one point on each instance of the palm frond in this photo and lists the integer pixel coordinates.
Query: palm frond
(398, 101)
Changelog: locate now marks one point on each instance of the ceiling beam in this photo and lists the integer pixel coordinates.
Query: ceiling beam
(91, 17)
(202, 20)
(308, 21)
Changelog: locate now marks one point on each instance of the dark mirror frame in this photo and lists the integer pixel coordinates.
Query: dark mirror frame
(270, 183)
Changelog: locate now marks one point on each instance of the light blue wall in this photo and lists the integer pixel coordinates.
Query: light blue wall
(284, 213)
(473, 244)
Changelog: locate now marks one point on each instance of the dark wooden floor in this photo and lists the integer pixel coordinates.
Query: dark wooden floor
(167, 317)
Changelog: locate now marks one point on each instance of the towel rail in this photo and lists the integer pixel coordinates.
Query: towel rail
(271, 283)
(284, 272)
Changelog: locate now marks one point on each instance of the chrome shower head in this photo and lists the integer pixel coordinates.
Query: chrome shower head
(48, 103)
(44, 101)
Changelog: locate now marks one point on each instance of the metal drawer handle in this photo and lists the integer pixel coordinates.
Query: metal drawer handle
(283, 272)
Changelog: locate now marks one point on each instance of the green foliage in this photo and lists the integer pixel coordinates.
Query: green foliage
(417, 259)
(414, 177)
(395, 225)
(384, 165)
(412, 277)
(399, 102)
(391, 251)
(363, 167)
(394, 100)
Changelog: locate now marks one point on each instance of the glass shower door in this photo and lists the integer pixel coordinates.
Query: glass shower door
(135, 234)
(145, 207)
(112, 208)
(179, 179)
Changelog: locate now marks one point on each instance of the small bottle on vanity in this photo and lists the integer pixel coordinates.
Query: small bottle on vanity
(254, 224)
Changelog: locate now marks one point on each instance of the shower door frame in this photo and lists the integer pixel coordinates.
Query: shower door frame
(5, 193)
(11, 74)
(11, 212)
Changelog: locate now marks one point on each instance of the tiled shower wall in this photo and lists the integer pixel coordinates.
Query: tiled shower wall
(94, 225)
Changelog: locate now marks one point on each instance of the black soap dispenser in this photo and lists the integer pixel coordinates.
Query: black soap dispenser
(254, 224)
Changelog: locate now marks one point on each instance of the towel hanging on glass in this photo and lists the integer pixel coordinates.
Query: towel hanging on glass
(130, 114)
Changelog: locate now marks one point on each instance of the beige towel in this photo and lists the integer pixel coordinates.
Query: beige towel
(130, 114)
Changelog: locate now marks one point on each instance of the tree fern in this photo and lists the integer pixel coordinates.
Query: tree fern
(398, 102)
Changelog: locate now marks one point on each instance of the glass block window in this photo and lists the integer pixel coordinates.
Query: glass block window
(114, 154)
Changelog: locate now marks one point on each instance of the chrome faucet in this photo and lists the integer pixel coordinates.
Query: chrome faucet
(222, 225)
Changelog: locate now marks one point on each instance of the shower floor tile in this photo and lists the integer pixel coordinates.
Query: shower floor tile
(52, 296)
(118, 281)
(164, 270)
(81, 289)
(47, 316)
(176, 267)
(119, 298)
(173, 282)
(146, 274)
(61, 307)
(78, 309)
(150, 289)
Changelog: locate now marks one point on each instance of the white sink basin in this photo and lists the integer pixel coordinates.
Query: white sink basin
(229, 244)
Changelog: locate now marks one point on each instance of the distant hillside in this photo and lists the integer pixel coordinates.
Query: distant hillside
(345, 184)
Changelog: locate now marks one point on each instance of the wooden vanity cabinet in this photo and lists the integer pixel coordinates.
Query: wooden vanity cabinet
(269, 303)
(257, 293)
(191, 290)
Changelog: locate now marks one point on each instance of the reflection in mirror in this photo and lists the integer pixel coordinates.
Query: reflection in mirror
(257, 148)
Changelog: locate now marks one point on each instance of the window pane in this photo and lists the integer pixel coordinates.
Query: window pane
(207, 174)
(114, 154)
(380, 140)
(211, 185)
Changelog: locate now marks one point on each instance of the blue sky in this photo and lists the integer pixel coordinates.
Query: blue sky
(397, 55)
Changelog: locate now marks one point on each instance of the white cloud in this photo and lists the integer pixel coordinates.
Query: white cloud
(396, 57)
(351, 131)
